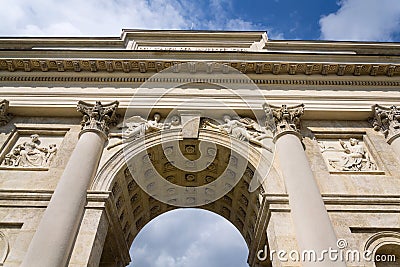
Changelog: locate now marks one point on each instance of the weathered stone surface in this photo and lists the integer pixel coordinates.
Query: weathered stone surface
(358, 183)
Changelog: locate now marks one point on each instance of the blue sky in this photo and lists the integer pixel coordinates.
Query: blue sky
(358, 20)
(189, 238)
(193, 238)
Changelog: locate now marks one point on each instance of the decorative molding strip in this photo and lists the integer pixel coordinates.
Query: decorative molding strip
(193, 80)
(366, 201)
(277, 68)
(40, 199)
(373, 230)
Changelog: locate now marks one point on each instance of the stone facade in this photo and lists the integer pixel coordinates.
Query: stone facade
(294, 142)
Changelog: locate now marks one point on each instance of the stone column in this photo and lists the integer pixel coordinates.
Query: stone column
(53, 241)
(313, 227)
(387, 121)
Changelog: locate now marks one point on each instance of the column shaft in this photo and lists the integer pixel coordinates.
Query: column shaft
(53, 241)
(396, 146)
(312, 224)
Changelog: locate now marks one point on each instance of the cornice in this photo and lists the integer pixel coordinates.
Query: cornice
(136, 39)
(356, 47)
(151, 66)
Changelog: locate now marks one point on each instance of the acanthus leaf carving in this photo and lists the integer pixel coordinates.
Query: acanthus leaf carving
(286, 119)
(98, 117)
(387, 121)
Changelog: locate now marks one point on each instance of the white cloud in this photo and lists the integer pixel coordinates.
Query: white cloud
(108, 17)
(273, 35)
(362, 20)
(89, 17)
(189, 237)
(241, 25)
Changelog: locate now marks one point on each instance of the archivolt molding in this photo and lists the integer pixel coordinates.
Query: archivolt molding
(380, 239)
(134, 208)
(104, 178)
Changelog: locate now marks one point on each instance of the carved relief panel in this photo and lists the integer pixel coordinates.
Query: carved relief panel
(347, 155)
(31, 149)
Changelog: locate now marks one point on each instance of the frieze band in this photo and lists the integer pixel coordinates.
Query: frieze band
(291, 68)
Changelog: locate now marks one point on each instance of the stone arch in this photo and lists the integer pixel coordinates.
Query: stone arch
(381, 245)
(135, 208)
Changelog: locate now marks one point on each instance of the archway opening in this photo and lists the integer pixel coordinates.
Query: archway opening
(388, 255)
(134, 174)
(189, 237)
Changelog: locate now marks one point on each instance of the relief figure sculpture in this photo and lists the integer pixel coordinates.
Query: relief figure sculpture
(244, 129)
(30, 154)
(353, 156)
(136, 127)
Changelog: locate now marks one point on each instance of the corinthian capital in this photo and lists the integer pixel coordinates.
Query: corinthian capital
(97, 117)
(4, 115)
(286, 119)
(387, 121)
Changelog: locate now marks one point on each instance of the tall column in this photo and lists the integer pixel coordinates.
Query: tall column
(387, 121)
(313, 227)
(53, 241)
